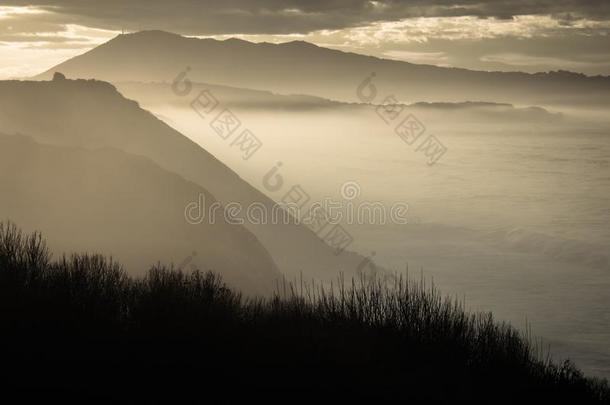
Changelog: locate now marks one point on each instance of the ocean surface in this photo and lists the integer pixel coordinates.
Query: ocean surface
(513, 218)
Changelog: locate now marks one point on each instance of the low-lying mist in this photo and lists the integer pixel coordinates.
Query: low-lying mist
(513, 215)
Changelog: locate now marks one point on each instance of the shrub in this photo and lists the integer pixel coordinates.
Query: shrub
(86, 327)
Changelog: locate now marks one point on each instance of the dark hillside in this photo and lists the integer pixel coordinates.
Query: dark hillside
(80, 329)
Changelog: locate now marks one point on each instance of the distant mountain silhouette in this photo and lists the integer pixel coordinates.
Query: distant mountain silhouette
(93, 114)
(158, 95)
(303, 68)
(114, 203)
(487, 113)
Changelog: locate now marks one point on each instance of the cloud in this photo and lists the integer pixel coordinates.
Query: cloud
(489, 35)
(29, 26)
(517, 60)
(213, 17)
(431, 58)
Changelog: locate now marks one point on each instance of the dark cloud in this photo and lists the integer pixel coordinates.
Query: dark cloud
(208, 17)
(42, 28)
(574, 38)
(586, 54)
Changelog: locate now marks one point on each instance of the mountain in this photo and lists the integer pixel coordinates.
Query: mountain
(113, 203)
(303, 68)
(486, 112)
(156, 96)
(93, 114)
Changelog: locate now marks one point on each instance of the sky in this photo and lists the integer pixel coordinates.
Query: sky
(519, 35)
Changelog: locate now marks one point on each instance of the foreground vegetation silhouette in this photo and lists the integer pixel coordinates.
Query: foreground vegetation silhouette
(79, 327)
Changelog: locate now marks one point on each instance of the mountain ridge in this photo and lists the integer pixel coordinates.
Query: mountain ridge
(114, 203)
(297, 68)
(150, 34)
(91, 115)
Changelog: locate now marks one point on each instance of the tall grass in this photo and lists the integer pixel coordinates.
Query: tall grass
(89, 328)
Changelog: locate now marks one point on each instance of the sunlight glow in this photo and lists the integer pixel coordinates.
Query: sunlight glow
(9, 12)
